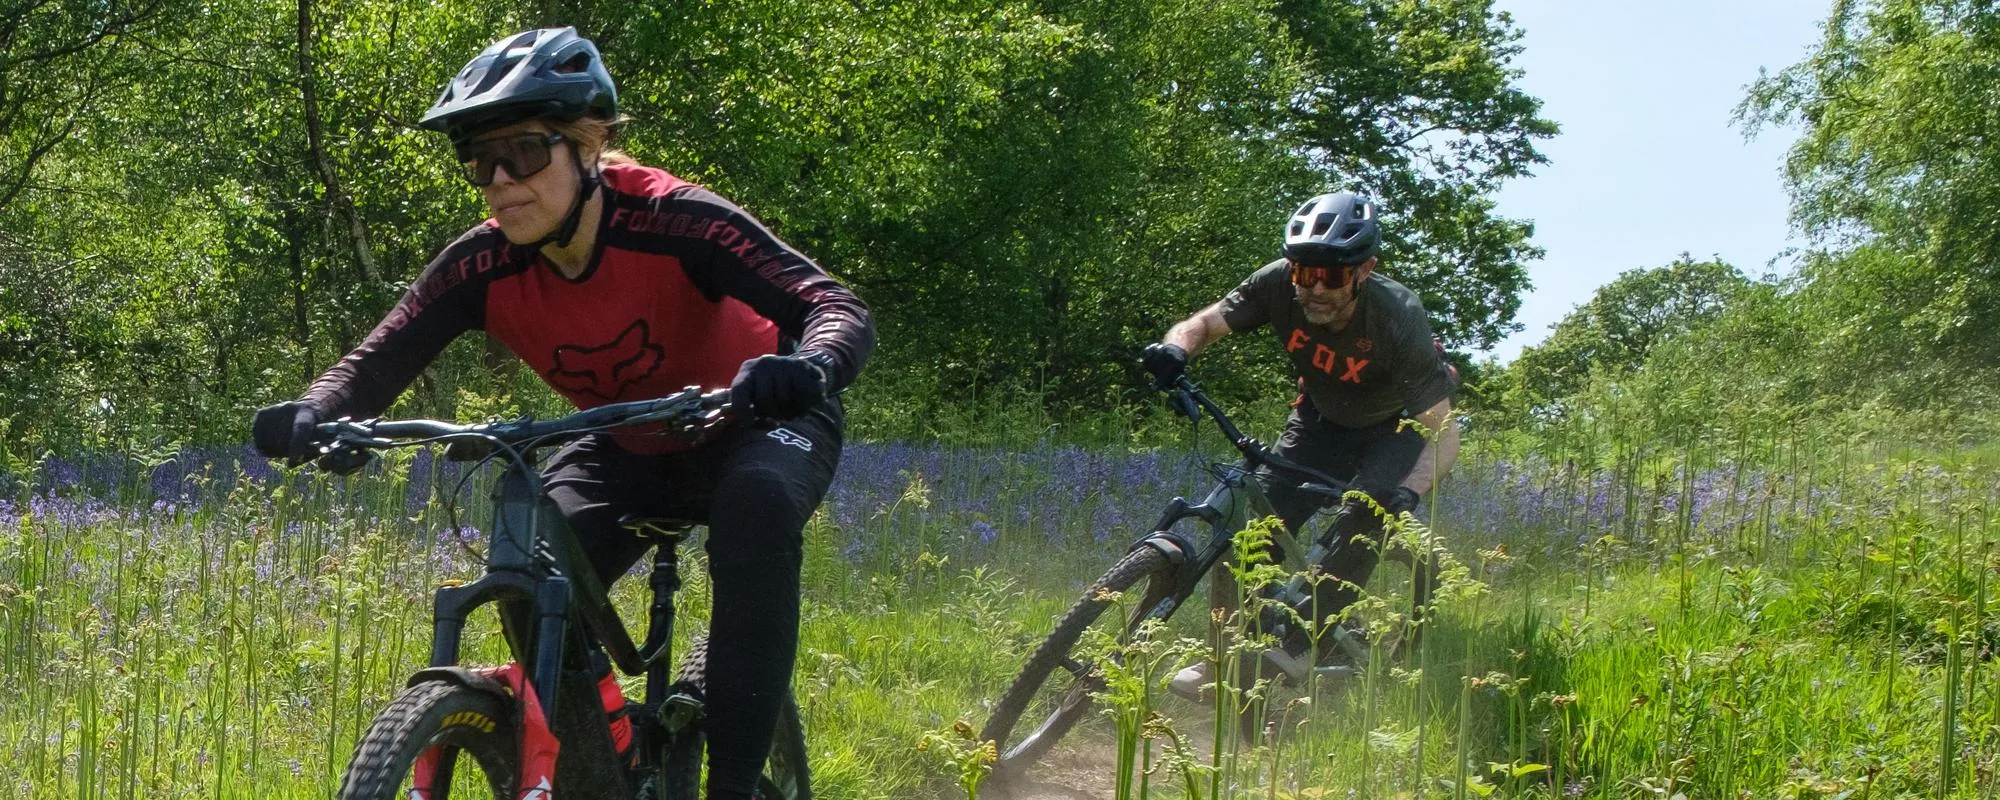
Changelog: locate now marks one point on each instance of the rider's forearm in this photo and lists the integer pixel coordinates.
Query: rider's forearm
(1199, 331)
(1440, 451)
(370, 377)
(731, 253)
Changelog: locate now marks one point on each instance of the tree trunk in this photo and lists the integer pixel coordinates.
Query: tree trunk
(335, 198)
(301, 323)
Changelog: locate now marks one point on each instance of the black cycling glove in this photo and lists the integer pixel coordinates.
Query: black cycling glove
(285, 430)
(1166, 361)
(778, 387)
(1398, 500)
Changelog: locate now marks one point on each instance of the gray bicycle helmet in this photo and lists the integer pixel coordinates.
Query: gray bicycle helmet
(550, 72)
(1333, 229)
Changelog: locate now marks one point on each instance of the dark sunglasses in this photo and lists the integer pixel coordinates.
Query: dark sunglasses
(1305, 276)
(522, 155)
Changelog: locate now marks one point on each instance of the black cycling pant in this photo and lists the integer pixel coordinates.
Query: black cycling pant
(755, 487)
(1376, 458)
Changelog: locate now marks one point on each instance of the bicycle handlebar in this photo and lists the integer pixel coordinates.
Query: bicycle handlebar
(685, 411)
(1188, 397)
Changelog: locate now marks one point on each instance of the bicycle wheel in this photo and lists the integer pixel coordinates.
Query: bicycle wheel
(785, 777)
(479, 755)
(1056, 704)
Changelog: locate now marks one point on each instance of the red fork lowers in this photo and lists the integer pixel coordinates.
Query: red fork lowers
(538, 744)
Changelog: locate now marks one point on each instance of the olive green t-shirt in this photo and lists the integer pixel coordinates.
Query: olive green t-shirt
(1384, 364)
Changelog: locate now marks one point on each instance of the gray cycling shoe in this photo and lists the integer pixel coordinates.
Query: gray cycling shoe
(1295, 668)
(1198, 681)
(1194, 683)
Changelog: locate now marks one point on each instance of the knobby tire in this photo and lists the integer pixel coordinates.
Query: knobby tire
(1056, 653)
(482, 727)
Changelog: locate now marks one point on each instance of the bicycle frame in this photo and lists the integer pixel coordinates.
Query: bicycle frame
(1227, 510)
(534, 600)
(538, 577)
(1236, 499)
(550, 601)
(551, 604)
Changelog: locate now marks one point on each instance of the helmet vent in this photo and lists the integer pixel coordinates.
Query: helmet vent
(1335, 228)
(550, 73)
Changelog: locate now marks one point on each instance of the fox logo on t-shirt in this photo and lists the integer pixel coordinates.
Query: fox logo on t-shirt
(605, 370)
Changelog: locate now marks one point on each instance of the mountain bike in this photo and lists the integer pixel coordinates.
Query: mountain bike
(461, 732)
(1054, 688)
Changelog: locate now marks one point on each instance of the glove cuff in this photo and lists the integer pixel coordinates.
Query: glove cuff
(822, 364)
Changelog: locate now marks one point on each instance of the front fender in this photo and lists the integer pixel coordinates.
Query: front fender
(1170, 543)
(462, 677)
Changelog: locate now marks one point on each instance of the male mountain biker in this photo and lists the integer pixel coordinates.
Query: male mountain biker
(615, 282)
(1361, 348)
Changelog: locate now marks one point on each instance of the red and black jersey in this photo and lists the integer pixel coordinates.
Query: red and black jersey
(682, 288)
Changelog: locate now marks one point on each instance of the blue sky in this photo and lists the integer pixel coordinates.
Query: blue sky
(1648, 164)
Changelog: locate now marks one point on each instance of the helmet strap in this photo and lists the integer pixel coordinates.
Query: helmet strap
(587, 183)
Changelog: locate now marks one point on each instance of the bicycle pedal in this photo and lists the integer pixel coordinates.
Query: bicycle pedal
(680, 710)
(1354, 644)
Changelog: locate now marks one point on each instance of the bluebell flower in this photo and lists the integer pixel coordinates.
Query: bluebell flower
(58, 475)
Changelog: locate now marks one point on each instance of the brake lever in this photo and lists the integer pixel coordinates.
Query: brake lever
(341, 460)
(1183, 404)
(467, 449)
(1322, 490)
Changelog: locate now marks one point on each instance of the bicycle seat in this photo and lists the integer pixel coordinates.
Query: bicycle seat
(663, 528)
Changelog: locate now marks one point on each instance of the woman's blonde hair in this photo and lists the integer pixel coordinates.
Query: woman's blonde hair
(591, 133)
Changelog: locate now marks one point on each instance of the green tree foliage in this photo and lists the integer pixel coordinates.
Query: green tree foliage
(1025, 192)
(1891, 322)
(1619, 327)
(61, 63)
(1897, 176)
(1415, 101)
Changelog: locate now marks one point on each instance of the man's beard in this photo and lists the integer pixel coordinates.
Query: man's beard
(1333, 314)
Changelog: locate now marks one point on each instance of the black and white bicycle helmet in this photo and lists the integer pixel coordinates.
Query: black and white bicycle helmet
(1333, 229)
(550, 72)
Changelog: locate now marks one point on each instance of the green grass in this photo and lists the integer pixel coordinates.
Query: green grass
(1789, 645)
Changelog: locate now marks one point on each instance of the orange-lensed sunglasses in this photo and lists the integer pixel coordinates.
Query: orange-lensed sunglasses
(1306, 276)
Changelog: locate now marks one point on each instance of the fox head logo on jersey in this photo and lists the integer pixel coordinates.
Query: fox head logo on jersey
(606, 371)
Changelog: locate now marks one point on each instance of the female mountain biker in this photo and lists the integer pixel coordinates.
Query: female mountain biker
(615, 282)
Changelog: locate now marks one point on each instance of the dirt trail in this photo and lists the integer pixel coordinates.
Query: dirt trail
(1083, 767)
(1076, 771)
